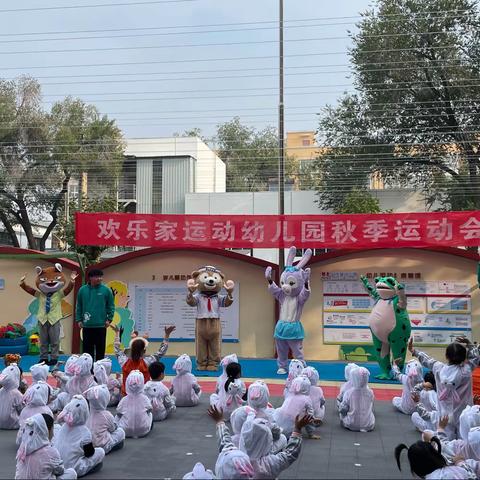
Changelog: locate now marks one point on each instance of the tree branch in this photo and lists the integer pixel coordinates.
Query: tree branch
(9, 228)
(54, 211)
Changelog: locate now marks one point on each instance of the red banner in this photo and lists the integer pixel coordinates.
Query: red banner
(455, 229)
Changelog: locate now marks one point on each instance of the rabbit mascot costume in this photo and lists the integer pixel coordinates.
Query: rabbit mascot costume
(292, 294)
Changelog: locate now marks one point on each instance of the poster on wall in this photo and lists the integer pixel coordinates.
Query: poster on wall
(156, 305)
(439, 311)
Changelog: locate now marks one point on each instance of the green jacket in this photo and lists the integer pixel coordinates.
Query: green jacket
(95, 306)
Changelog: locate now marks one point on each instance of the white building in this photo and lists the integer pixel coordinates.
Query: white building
(159, 172)
(38, 232)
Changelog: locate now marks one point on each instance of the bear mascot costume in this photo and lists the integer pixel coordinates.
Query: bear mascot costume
(204, 293)
(50, 282)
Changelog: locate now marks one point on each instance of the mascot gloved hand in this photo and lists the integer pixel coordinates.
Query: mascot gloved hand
(204, 293)
(389, 322)
(50, 283)
(293, 292)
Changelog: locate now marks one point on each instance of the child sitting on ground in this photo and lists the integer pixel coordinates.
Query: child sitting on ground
(297, 403)
(426, 461)
(356, 409)
(102, 370)
(73, 439)
(231, 461)
(15, 358)
(185, 387)
(62, 397)
(138, 359)
(39, 372)
(35, 401)
(422, 418)
(36, 457)
(256, 441)
(412, 376)
(10, 398)
(223, 377)
(295, 369)
(134, 412)
(258, 398)
(347, 385)
(162, 403)
(453, 380)
(105, 432)
(317, 397)
(233, 393)
(82, 378)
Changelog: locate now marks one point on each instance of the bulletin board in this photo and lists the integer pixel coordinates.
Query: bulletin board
(156, 305)
(439, 312)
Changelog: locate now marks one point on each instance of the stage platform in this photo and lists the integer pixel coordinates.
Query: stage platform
(265, 368)
(331, 376)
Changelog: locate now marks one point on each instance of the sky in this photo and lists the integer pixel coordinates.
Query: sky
(166, 66)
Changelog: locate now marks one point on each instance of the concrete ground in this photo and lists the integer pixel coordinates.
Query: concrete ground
(174, 446)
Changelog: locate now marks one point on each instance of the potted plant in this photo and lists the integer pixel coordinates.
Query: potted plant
(13, 339)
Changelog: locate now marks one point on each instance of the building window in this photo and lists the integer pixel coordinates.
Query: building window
(5, 239)
(306, 142)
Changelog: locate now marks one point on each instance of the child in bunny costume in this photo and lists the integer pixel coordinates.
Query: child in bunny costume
(82, 378)
(356, 409)
(36, 458)
(105, 432)
(73, 439)
(35, 401)
(185, 387)
(102, 370)
(347, 385)
(297, 403)
(63, 397)
(134, 412)
(292, 294)
(412, 376)
(10, 398)
(295, 368)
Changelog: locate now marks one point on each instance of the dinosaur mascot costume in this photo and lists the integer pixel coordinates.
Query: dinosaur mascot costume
(208, 282)
(50, 282)
(388, 321)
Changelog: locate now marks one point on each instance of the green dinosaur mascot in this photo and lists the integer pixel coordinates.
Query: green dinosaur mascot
(388, 321)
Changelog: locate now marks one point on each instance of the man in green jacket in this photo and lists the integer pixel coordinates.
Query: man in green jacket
(94, 313)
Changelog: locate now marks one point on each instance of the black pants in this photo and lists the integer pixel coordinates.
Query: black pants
(94, 342)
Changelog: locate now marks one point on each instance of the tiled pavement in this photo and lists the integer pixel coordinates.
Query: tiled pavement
(174, 446)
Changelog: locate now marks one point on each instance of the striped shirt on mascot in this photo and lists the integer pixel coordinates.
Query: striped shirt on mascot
(292, 294)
